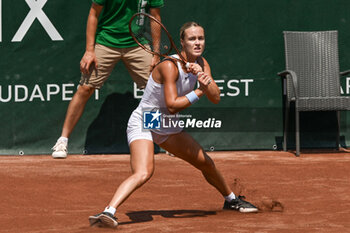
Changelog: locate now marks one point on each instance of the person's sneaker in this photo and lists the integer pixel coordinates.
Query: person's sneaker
(103, 219)
(240, 205)
(59, 150)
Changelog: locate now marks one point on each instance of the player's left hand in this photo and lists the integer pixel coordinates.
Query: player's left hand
(204, 80)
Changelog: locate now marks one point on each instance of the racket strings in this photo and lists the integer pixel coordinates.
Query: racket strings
(143, 27)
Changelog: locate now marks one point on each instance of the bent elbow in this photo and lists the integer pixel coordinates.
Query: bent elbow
(172, 110)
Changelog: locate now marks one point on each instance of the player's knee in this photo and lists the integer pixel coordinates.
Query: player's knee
(144, 176)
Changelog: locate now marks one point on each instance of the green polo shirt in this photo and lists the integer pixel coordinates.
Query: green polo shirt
(113, 29)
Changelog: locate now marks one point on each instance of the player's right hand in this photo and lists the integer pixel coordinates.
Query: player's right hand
(194, 68)
(87, 61)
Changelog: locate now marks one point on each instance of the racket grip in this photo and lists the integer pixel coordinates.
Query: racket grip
(187, 65)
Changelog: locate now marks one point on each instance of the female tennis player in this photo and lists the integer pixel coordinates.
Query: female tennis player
(170, 90)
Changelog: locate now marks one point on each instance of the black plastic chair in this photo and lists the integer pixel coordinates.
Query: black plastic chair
(312, 77)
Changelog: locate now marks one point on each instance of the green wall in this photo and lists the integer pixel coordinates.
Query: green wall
(244, 47)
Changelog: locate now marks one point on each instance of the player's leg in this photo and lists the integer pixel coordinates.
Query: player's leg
(142, 167)
(141, 158)
(182, 145)
(107, 58)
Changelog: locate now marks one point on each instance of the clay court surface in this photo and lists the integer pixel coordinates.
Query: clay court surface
(306, 194)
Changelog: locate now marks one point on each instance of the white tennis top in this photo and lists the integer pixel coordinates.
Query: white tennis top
(153, 98)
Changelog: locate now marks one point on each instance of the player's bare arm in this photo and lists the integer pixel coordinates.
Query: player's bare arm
(168, 72)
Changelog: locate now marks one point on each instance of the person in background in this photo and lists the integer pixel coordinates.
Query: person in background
(107, 42)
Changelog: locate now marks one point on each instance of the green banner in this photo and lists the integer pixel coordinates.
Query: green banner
(42, 42)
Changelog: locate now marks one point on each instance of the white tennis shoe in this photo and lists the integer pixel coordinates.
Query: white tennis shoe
(59, 150)
(103, 219)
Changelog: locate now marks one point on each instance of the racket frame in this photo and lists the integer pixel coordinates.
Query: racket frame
(172, 44)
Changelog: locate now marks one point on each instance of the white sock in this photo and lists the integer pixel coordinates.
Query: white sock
(110, 210)
(64, 140)
(230, 197)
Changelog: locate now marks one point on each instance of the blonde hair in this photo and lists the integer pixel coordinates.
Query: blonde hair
(187, 25)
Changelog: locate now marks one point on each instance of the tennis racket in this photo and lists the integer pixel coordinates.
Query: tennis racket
(151, 35)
